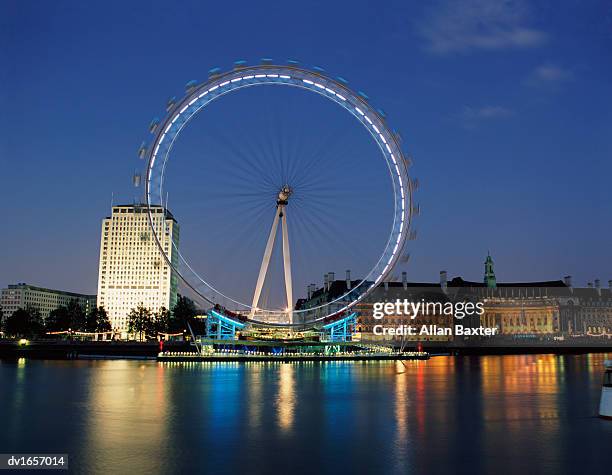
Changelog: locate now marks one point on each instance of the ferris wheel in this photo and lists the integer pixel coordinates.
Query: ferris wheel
(198, 98)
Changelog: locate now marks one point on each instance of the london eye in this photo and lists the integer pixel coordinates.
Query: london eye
(283, 196)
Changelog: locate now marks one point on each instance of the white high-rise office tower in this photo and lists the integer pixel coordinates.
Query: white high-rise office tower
(132, 270)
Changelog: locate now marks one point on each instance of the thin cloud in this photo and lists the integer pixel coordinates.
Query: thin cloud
(472, 117)
(453, 26)
(476, 114)
(549, 74)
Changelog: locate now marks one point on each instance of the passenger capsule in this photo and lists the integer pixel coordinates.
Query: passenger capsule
(153, 125)
(142, 151)
(136, 180)
(170, 104)
(190, 86)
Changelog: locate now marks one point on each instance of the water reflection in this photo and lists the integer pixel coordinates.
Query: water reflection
(286, 396)
(476, 414)
(255, 394)
(127, 410)
(402, 405)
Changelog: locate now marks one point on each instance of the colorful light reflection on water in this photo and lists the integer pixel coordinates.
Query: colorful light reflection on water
(503, 414)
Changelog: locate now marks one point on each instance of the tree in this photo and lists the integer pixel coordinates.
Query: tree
(70, 317)
(76, 315)
(24, 322)
(97, 320)
(161, 321)
(58, 320)
(140, 320)
(183, 311)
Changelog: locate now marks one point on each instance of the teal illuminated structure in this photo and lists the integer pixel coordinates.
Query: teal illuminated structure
(221, 327)
(225, 340)
(340, 330)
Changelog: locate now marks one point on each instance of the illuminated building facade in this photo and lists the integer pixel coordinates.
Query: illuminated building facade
(132, 270)
(44, 300)
(387, 292)
(519, 310)
(413, 291)
(587, 311)
(521, 316)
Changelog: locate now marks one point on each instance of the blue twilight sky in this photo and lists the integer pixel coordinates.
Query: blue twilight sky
(506, 107)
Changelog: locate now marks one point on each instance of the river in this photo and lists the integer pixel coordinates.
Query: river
(475, 414)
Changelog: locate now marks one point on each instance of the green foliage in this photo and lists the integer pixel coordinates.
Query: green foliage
(161, 321)
(58, 320)
(76, 314)
(97, 320)
(70, 317)
(140, 321)
(145, 324)
(24, 322)
(183, 311)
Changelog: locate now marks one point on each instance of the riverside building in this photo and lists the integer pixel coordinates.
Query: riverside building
(519, 311)
(132, 269)
(22, 295)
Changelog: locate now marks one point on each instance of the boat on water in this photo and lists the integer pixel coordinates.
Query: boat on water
(605, 404)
